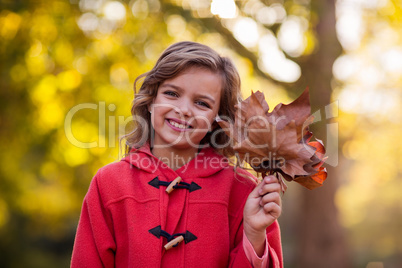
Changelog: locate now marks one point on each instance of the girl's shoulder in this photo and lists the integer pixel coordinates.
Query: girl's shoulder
(114, 179)
(113, 169)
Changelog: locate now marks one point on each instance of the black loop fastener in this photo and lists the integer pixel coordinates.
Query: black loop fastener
(158, 232)
(191, 187)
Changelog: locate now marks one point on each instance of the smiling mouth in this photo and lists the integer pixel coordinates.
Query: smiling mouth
(178, 125)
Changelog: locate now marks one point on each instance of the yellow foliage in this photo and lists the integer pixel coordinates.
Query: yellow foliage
(45, 90)
(353, 198)
(176, 26)
(98, 151)
(392, 10)
(83, 132)
(38, 65)
(310, 42)
(354, 149)
(4, 216)
(49, 170)
(9, 24)
(50, 110)
(50, 115)
(48, 202)
(43, 27)
(36, 49)
(140, 9)
(75, 156)
(18, 73)
(101, 48)
(69, 80)
(369, 197)
(81, 65)
(63, 53)
(119, 75)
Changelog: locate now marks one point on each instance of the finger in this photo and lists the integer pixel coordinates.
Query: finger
(271, 187)
(273, 209)
(271, 197)
(270, 179)
(256, 192)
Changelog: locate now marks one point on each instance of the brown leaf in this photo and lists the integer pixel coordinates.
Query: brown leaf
(278, 142)
(298, 111)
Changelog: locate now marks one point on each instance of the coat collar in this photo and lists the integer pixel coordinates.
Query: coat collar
(206, 163)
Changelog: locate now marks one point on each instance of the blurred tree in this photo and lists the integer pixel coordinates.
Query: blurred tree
(321, 238)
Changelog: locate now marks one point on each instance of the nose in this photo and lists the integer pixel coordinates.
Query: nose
(185, 108)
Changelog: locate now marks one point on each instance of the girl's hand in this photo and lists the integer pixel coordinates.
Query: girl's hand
(262, 208)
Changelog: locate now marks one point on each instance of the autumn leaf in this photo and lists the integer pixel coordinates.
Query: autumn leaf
(278, 142)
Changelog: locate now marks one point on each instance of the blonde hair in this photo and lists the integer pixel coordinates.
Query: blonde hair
(173, 61)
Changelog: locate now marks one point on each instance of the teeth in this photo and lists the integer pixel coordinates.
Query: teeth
(173, 123)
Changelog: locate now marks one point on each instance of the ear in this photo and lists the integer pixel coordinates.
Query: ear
(214, 124)
(149, 107)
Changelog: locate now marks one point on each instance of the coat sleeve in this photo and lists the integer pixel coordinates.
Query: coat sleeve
(238, 257)
(94, 244)
(275, 258)
(256, 261)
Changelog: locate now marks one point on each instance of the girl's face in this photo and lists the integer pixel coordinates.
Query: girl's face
(185, 108)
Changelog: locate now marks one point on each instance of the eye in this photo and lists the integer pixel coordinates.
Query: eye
(170, 93)
(203, 103)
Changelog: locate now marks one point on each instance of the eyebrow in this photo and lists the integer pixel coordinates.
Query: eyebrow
(181, 90)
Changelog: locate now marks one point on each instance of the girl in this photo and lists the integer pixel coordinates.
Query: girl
(174, 200)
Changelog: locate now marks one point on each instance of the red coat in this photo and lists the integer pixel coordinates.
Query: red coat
(127, 212)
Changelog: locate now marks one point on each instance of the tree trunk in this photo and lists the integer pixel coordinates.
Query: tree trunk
(321, 241)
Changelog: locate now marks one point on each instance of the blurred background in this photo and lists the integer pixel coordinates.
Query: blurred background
(67, 69)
